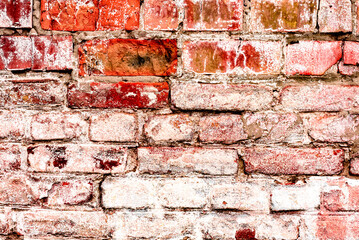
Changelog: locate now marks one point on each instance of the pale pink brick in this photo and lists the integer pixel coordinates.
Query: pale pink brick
(276, 161)
(52, 52)
(56, 125)
(133, 193)
(320, 97)
(69, 223)
(15, 189)
(252, 196)
(15, 52)
(222, 128)
(340, 194)
(312, 57)
(351, 52)
(232, 56)
(113, 126)
(333, 127)
(275, 127)
(6, 223)
(16, 14)
(161, 14)
(183, 193)
(194, 96)
(354, 166)
(168, 128)
(296, 197)
(347, 69)
(179, 160)
(335, 16)
(80, 158)
(10, 157)
(12, 124)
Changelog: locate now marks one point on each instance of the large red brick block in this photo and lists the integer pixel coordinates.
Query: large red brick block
(81, 15)
(277, 161)
(16, 14)
(231, 56)
(128, 57)
(16, 52)
(118, 95)
(213, 15)
(283, 15)
(161, 14)
(351, 53)
(312, 57)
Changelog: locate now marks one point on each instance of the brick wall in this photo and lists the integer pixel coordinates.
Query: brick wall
(179, 119)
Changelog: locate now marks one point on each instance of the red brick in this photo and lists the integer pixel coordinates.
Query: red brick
(170, 128)
(32, 94)
(56, 125)
(80, 158)
(213, 15)
(179, 160)
(312, 57)
(320, 97)
(335, 16)
(334, 128)
(52, 52)
(275, 127)
(12, 125)
(118, 15)
(16, 52)
(347, 69)
(351, 52)
(69, 15)
(222, 128)
(313, 161)
(15, 189)
(10, 157)
(161, 14)
(118, 95)
(339, 227)
(128, 57)
(283, 15)
(16, 14)
(192, 96)
(232, 56)
(340, 194)
(73, 192)
(67, 223)
(113, 126)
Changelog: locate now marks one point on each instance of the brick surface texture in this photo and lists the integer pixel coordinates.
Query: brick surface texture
(179, 119)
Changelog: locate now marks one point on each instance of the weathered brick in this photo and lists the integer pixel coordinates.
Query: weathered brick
(347, 69)
(351, 51)
(128, 57)
(252, 196)
(179, 160)
(183, 193)
(272, 127)
(15, 189)
(12, 125)
(312, 57)
(275, 161)
(16, 14)
(10, 157)
(49, 93)
(68, 223)
(194, 96)
(335, 16)
(174, 127)
(5, 223)
(340, 194)
(118, 15)
(222, 128)
(133, 193)
(161, 15)
(213, 15)
(118, 95)
(56, 125)
(320, 97)
(232, 56)
(334, 128)
(113, 127)
(283, 15)
(354, 166)
(15, 53)
(52, 52)
(80, 158)
(295, 197)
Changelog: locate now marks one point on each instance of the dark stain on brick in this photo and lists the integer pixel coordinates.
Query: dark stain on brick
(109, 159)
(245, 234)
(58, 156)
